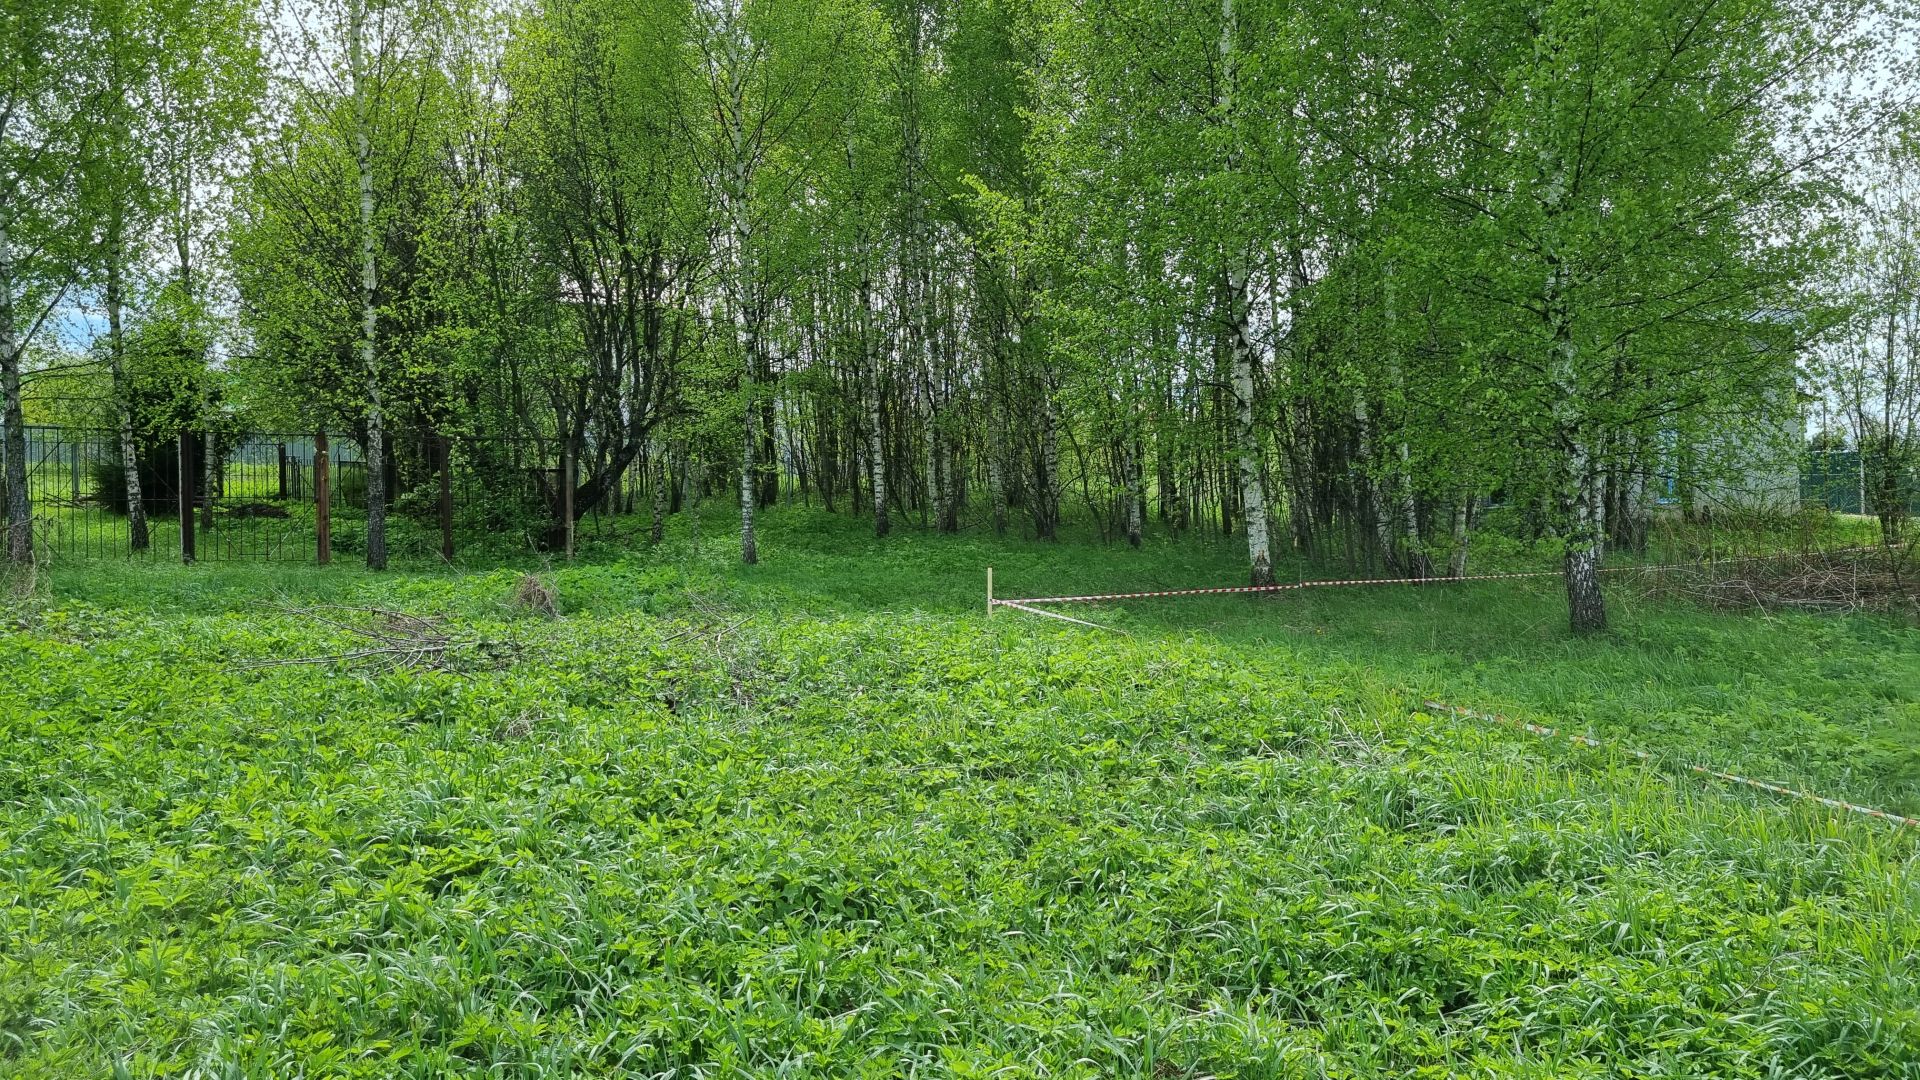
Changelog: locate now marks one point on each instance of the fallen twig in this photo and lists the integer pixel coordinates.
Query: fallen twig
(403, 640)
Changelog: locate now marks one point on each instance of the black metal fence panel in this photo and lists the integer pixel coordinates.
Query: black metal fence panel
(78, 492)
(257, 496)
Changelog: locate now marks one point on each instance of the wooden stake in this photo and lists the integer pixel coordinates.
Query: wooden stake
(989, 592)
(444, 448)
(322, 501)
(566, 496)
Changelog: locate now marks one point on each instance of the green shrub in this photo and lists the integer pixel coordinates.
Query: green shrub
(350, 484)
(159, 481)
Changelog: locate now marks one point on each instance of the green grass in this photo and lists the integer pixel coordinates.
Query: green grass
(822, 817)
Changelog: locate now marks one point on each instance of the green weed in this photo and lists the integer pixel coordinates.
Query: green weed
(823, 817)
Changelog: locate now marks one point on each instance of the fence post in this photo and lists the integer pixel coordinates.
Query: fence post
(444, 447)
(323, 501)
(203, 461)
(566, 494)
(283, 470)
(184, 494)
(74, 452)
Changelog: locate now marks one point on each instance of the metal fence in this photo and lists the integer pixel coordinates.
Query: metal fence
(303, 497)
(1842, 481)
(286, 497)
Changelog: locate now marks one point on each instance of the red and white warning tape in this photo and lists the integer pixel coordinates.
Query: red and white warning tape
(1099, 597)
(1293, 585)
(1057, 615)
(1642, 755)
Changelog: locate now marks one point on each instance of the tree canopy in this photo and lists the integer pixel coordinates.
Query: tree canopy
(1330, 277)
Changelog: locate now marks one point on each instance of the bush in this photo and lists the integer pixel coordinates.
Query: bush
(159, 481)
(350, 484)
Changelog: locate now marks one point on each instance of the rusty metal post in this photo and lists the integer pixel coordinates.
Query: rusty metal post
(184, 495)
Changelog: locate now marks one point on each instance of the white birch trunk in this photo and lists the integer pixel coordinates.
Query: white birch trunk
(1586, 605)
(1240, 351)
(1136, 494)
(735, 187)
(661, 478)
(1457, 560)
(137, 534)
(1253, 491)
(876, 414)
(877, 456)
(1580, 485)
(369, 281)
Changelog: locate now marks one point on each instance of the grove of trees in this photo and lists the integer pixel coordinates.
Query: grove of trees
(1319, 274)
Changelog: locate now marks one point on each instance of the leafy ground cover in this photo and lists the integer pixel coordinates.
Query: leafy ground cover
(824, 817)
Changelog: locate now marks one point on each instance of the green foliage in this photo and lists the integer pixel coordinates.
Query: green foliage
(159, 480)
(823, 817)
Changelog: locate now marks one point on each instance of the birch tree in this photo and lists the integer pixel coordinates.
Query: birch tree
(51, 95)
(366, 71)
(180, 78)
(767, 70)
(1875, 367)
(1627, 179)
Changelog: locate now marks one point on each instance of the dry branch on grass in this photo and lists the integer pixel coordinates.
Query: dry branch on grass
(398, 640)
(532, 594)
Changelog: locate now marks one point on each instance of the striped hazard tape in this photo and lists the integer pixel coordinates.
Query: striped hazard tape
(1347, 582)
(1241, 589)
(1056, 615)
(1641, 755)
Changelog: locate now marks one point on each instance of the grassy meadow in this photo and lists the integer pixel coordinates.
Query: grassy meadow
(824, 817)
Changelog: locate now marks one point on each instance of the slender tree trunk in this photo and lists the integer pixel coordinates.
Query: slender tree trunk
(1586, 605)
(1240, 351)
(1253, 490)
(736, 186)
(876, 415)
(996, 453)
(1417, 563)
(1166, 488)
(749, 542)
(1136, 493)
(660, 472)
(750, 345)
(1579, 488)
(137, 534)
(1889, 507)
(877, 458)
(1372, 492)
(19, 505)
(369, 281)
(1462, 522)
(1637, 506)
(1047, 513)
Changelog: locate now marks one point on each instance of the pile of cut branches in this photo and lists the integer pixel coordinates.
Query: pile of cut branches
(394, 640)
(1864, 579)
